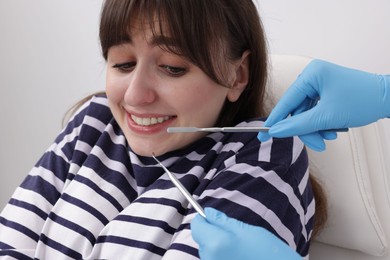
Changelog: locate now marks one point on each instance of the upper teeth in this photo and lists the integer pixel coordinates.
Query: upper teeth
(146, 121)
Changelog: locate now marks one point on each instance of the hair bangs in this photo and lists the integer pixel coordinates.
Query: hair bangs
(120, 17)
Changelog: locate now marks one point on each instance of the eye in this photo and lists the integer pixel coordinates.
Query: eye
(124, 67)
(174, 71)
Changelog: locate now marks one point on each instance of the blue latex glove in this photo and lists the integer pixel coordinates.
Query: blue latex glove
(348, 98)
(220, 237)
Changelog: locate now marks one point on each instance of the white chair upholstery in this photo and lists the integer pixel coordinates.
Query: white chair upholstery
(355, 173)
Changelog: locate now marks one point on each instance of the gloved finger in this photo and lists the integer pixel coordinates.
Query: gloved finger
(214, 216)
(204, 232)
(314, 141)
(221, 220)
(307, 104)
(290, 101)
(328, 135)
(263, 136)
(273, 118)
(301, 124)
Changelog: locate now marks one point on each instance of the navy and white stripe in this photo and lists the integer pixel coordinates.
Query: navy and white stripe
(91, 197)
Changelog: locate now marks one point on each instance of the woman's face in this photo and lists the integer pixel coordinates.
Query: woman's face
(150, 89)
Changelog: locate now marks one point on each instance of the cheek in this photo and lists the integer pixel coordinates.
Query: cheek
(115, 88)
(203, 102)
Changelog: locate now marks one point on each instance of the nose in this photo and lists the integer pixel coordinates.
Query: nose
(141, 87)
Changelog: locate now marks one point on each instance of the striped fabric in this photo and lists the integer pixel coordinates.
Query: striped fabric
(91, 197)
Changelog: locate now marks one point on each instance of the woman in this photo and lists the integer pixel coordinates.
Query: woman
(97, 193)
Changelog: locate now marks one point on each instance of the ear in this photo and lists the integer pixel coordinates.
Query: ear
(241, 77)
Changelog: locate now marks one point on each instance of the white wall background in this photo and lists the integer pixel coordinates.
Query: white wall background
(353, 33)
(50, 58)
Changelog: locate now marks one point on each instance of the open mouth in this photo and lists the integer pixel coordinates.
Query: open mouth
(149, 121)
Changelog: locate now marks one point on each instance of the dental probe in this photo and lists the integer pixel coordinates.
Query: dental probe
(182, 189)
(191, 129)
(218, 129)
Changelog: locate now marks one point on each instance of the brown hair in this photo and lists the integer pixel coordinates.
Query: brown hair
(208, 33)
(321, 209)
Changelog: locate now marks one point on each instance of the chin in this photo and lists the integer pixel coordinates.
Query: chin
(157, 151)
(148, 148)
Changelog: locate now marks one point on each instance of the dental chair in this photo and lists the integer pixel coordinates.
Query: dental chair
(355, 174)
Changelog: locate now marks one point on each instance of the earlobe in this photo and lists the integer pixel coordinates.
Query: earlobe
(241, 77)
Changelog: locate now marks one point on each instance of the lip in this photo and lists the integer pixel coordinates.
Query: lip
(151, 129)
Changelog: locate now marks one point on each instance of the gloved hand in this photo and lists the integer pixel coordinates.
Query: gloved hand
(221, 237)
(328, 96)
